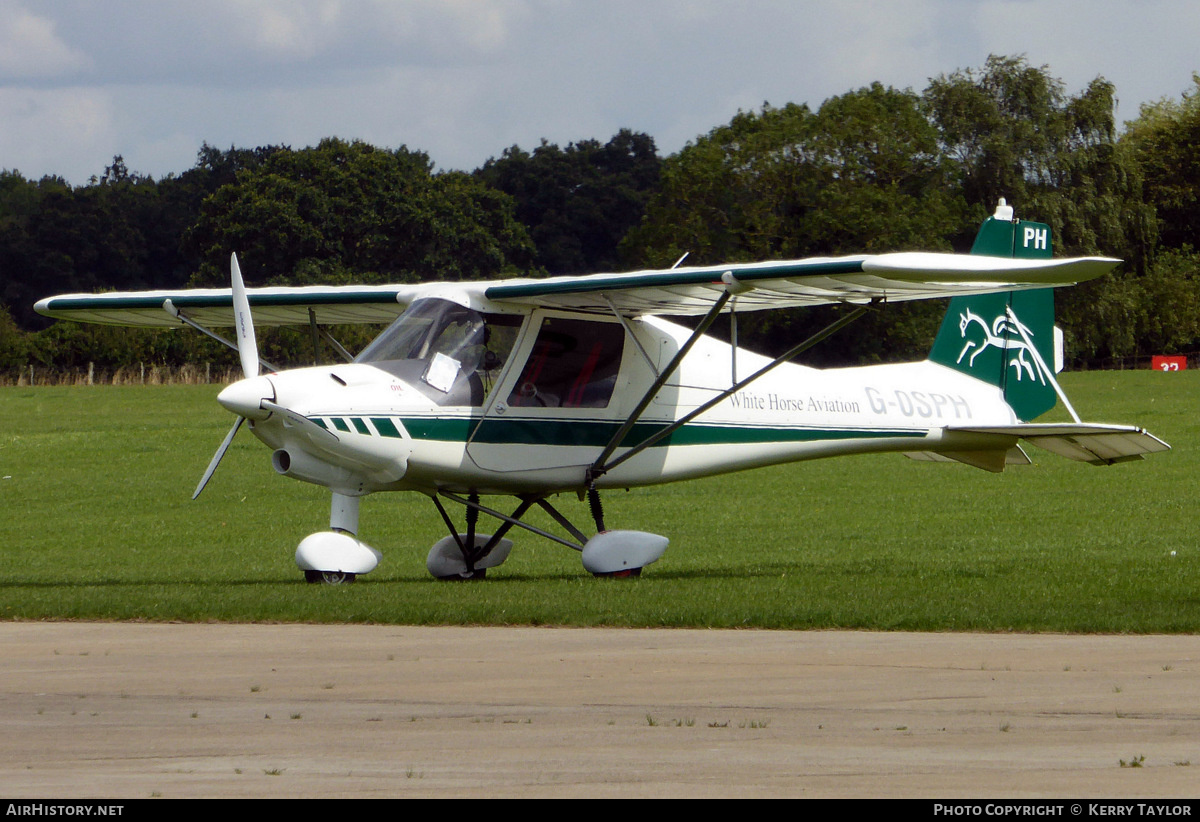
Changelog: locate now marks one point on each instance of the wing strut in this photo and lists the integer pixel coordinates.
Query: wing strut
(630, 335)
(319, 332)
(598, 468)
(171, 309)
(601, 467)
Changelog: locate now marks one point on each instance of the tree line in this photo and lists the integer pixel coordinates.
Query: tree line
(874, 169)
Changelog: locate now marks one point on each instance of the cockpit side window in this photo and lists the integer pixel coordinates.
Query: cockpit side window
(573, 364)
(449, 352)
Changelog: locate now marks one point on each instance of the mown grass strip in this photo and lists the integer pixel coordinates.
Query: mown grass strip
(98, 524)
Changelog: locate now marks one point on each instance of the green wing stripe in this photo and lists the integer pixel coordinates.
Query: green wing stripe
(277, 305)
(677, 277)
(219, 301)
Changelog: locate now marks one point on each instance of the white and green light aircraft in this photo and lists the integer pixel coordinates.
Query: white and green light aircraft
(574, 385)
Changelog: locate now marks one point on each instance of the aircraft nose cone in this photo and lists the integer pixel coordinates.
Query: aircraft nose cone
(245, 397)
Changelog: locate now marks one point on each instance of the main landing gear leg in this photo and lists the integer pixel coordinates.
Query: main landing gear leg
(336, 556)
(618, 553)
(596, 508)
(609, 553)
(467, 556)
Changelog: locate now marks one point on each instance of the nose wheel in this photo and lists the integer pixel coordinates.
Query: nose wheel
(329, 577)
(336, 557)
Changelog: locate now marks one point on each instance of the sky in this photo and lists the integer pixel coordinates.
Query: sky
(82, 81)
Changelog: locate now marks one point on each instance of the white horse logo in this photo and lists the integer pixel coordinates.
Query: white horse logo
(998, 335)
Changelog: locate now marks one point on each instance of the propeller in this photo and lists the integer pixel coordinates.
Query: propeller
(216, 460)
(247, 351)
(243, 323)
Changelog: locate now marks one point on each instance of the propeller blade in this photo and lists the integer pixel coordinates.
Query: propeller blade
(216, 460)
(243, 322)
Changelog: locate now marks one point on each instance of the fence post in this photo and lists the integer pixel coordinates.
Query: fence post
(91, 372)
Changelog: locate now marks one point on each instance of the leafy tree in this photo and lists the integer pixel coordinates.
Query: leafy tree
(1012, 131)
(863, 173)
(266, 218)
(1170, 296)
(874, 169)
(120, 231)
(55, 238)
(19, 199)
(343, 210)
(578, 202)
(14, 348)
(457, 228)
(1163, 139)
(730, 195)
(883, 182)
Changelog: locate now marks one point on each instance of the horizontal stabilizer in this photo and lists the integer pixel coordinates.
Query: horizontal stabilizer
(1085, 442)
(993, 461)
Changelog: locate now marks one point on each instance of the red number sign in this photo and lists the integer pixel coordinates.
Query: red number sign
(1162, 363)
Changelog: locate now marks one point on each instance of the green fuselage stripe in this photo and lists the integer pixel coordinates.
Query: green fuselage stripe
(385, 427)
(596, 434)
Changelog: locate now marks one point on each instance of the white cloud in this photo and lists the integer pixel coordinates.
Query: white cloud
(31, 49)
(463, 79)
(43, 129)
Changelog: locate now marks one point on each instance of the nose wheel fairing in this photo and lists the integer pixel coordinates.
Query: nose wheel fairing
(337, 555)
(335, 552)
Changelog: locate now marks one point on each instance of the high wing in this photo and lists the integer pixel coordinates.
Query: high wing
(792, 283)
(331, 305)
(680, 291)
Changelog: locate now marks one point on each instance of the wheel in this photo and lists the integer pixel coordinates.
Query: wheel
(625, 574)
(328, 577)
(446, 562)
(478, 573)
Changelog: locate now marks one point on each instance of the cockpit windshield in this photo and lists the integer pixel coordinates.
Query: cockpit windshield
(448, 351)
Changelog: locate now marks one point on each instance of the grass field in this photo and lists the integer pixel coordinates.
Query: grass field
(98, 524)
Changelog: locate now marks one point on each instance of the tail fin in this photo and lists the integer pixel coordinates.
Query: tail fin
(978, 336)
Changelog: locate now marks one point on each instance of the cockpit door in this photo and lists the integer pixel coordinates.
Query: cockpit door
(563, 393)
